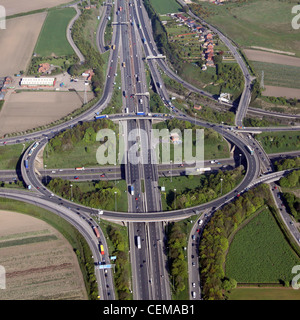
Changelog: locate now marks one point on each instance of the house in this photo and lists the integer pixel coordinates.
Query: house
(175, 138)
(43, 67)
(88, 74)
(209, 36)
(197, 107)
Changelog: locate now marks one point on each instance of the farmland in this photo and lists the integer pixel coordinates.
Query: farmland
(261, 242)
(264, 294)
(16, 6)
(259, 23)
(52, 39)
(39, 262)
(165, 6)
(278, 74)
(271, 57)
(21, 32)
(28, 110)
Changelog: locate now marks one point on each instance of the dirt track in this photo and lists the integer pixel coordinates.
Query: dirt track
(270, 57)
(18, 6)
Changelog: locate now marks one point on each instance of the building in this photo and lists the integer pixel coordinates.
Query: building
(44, 67)
(88, 74)
(175, 138)
(37, 82)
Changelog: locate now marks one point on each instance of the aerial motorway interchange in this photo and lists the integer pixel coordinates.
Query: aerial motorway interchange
(134, 53)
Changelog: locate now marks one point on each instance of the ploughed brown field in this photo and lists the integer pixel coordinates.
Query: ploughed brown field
(18, 40)
(39, 262)
(27, 110)
(20, 6)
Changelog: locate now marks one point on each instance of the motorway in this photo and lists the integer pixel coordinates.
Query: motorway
(145, 217)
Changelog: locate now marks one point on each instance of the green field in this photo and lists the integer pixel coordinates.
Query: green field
(279, 141)
(264, 294)
(264, 23)
(52, 38)
(10, 155)
(278, 74)
(165, 6)
(259, 253)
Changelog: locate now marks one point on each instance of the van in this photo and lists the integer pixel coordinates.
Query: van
(141, 101)
(194, 294)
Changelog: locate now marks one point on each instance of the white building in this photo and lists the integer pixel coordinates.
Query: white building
(38, 82)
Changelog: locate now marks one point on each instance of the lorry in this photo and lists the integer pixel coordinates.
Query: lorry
(26, 164)
(101, 249)
(140, 113)
(251, 151)
(79, 168)
(96, 232)
(138, 242)
(203, 169)
(101, 116)
(132, 190)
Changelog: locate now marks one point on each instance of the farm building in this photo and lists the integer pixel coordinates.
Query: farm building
(37, 82)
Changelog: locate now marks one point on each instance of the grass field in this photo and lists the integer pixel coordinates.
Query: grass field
(279, 141)
(264, 294)
(263, 23)
(165, 6)
(278, 74)
(52, 39)
(10, 155)
(259, 253)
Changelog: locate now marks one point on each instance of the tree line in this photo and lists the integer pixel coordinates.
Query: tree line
(285, 164)
(121, 275)
(176, 257)
(103, 195)
(209, 188)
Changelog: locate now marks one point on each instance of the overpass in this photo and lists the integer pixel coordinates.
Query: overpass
(159, 56)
